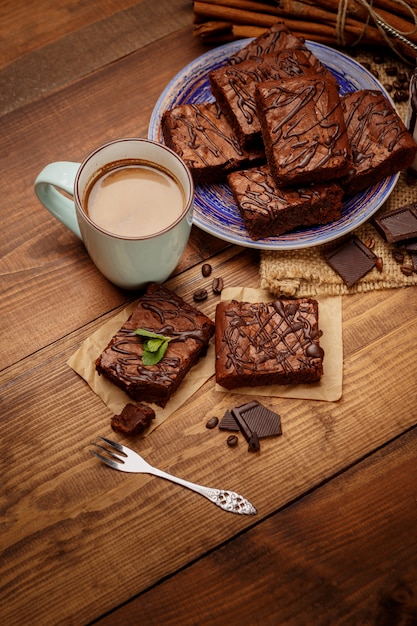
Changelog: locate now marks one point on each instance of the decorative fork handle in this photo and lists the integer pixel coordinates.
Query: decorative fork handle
(226, 500)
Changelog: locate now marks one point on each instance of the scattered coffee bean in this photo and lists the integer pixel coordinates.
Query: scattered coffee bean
(378, 59)
(212, 423)
(217, 286)
(407, 270)
(398, 256)
(400, 96)
(206, 270)
(200, 295)
(370, 243)
(388, 87)
(232, 441)
(391, 70)
(379, 264)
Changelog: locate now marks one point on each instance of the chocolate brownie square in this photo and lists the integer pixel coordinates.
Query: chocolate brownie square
(268, 343)
(380, 142)
(303, 130)
(268, 210)
(163, 312)
(202, 136)
(234, 86)
(279, 37)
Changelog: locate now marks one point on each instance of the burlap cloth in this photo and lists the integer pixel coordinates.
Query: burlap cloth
(304, 272)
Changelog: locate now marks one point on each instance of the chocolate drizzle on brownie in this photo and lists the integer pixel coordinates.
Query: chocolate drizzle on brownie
(199, 124)
(268, 342)
(162, 312)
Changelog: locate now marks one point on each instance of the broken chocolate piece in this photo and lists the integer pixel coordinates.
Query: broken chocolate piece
(228, 422)
(257, 417)
(133, 420)
(351, 260)
(244, 428)
(254, 445)
(398, 225)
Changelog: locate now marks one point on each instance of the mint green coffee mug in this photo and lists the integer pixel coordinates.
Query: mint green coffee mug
(131, 204)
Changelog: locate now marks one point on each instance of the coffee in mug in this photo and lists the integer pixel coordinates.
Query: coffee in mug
(132, 207)
(133, 198)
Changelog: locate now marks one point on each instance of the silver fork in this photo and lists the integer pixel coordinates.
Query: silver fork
(126, 460)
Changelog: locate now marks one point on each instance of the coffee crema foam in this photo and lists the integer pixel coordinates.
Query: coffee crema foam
(134, 198)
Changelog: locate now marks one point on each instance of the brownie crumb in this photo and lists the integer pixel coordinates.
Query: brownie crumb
(133, 420)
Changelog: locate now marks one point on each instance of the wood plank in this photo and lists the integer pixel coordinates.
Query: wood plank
(49, 277)
(22, 31)
(345, 554)
(64, 509)
(90, 39)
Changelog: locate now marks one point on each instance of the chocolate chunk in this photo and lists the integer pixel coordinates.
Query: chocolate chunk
(398, 225)
(244, 428)
(351, 260)
(254, 445)
(257, 418)
(228, 422)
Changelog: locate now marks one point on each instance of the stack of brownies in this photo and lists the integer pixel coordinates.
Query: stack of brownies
(290, 146)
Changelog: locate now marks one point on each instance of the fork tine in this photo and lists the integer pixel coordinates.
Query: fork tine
(119, 457)
(106, 460)
(113, 444)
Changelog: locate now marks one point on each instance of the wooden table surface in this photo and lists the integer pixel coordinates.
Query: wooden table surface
(334, 540)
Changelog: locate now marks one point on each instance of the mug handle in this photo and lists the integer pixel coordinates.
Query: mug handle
(56, 176)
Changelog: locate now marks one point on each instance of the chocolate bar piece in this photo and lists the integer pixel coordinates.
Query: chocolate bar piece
(351, 260)
(257, 418)
(399, 224)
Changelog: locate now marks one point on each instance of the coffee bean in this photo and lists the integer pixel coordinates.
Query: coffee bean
(200, 295)
(217, 286)
(212, 423)
(206, 270)
(379, 264)
(391, 70)
(232, 441)
(370, 243)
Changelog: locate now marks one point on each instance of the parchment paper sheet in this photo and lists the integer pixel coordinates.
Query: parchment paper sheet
(329, 388)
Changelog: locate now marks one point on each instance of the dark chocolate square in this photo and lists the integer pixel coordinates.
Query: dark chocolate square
(351, 260)
(252, 417)
(398, 225)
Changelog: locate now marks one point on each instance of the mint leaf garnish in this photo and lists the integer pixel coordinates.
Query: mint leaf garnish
(154, 346)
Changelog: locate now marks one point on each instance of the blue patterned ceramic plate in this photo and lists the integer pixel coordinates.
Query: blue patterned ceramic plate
(215, 210)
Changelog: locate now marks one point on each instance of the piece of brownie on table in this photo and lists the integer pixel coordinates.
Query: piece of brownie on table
(268, 343)
(163, 312)
(380, 142)
(303, 130)
(233, 87)
(202, 136)
(268, 210)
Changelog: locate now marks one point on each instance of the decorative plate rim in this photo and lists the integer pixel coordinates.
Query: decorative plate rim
(190, 84)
